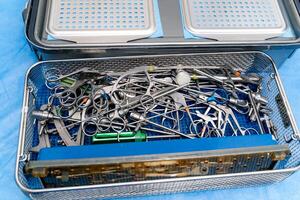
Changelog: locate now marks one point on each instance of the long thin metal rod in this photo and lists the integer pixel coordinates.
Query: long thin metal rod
(256, 112)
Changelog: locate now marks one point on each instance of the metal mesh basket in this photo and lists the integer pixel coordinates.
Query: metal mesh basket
(249, 61)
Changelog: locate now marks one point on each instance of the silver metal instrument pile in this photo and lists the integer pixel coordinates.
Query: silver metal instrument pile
(151, 103)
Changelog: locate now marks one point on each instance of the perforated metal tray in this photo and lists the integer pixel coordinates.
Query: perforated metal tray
(100, 21)
(234, 19)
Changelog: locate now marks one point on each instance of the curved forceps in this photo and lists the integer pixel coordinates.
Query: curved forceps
(148, 97)
(115, 118)
(207, 120)
(180, 101)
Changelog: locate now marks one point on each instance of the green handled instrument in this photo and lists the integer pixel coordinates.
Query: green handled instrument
(138, 136)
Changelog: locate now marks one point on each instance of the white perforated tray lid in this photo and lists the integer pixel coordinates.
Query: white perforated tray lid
(100, 21)
(229, 20)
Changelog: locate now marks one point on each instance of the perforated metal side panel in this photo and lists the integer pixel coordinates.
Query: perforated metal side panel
(233, 17)
(165, 187)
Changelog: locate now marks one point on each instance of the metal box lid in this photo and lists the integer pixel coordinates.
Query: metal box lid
(168, 25)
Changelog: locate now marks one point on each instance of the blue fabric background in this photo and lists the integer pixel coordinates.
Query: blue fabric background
(16, 57)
